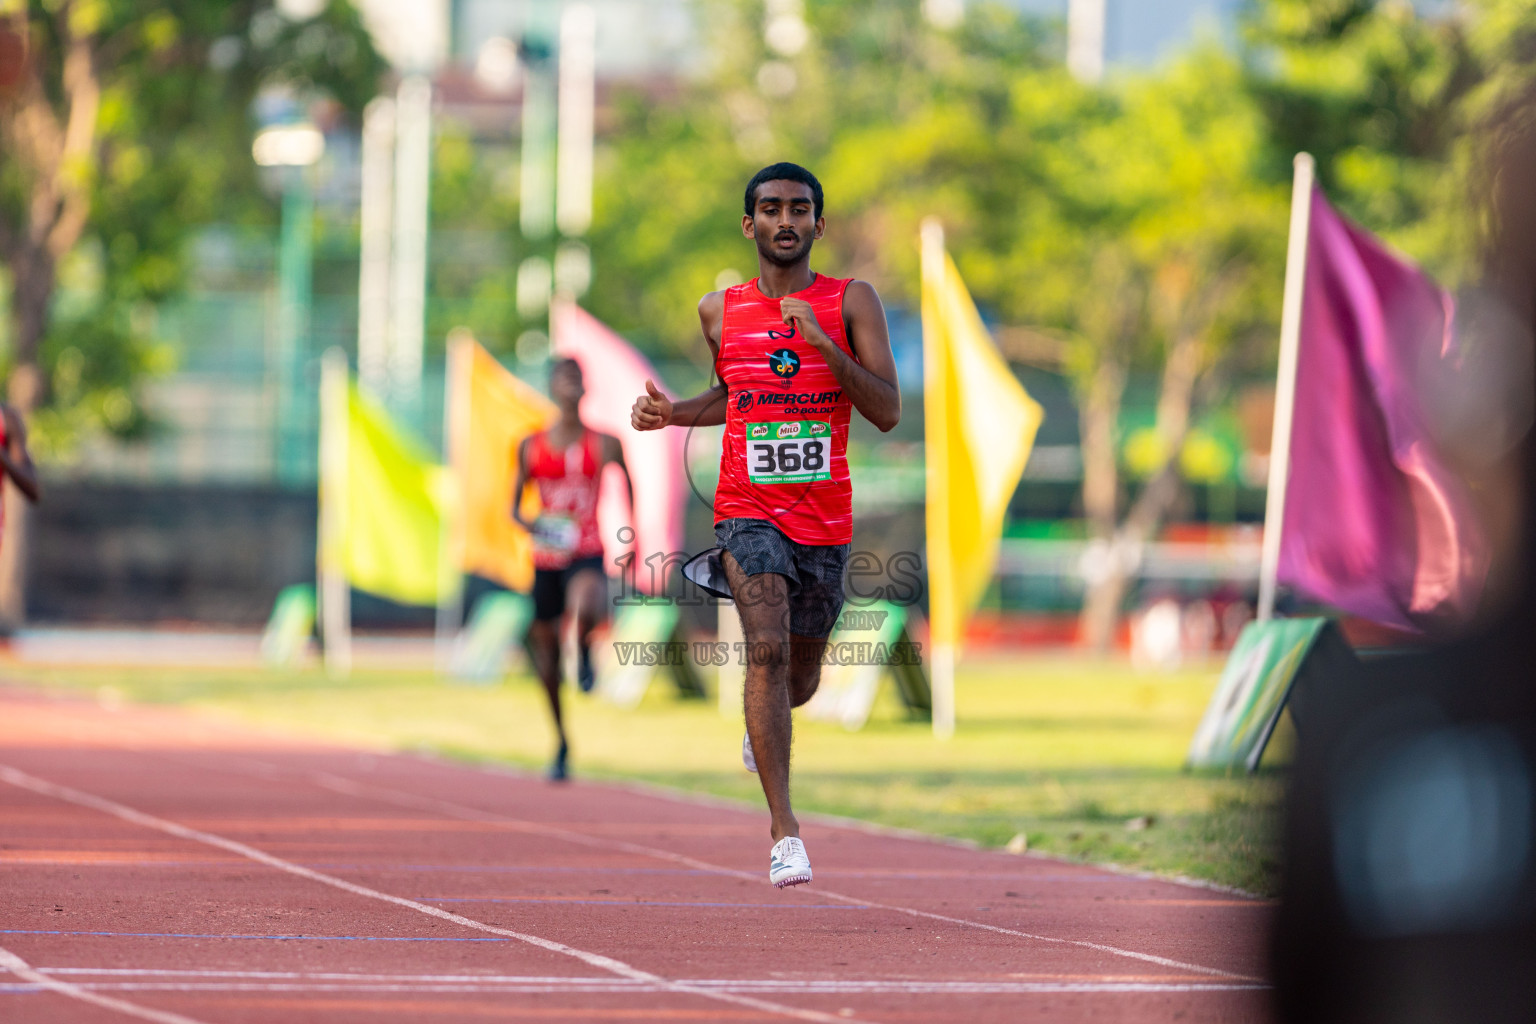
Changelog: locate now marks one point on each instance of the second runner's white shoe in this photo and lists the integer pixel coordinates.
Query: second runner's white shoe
(747, 757)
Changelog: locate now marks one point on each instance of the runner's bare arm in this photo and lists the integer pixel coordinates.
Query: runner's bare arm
(869, 376)
(613, 451)
(653, 410)
(16, 459)
(520, 485)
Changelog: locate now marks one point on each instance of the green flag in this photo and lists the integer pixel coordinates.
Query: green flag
(396, 498)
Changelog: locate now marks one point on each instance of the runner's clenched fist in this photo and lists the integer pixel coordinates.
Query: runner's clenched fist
(799, 314)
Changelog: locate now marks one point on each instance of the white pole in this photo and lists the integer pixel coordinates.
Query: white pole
(373, 319)
(576, 100)
(335, 597)
(413, 162)
(450, 590)
(576, 103)
(1086, 21)
(536, 190)
(941, 660)
(1285, 382)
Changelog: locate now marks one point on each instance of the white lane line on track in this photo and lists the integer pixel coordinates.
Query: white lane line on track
(561, 979)
(184, 972)
(192, 980)
(22, 780)
(734, 987)
(351, 787)
(20, 968)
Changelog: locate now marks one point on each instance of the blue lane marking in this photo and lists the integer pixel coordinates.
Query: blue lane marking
(19, 990)
(502, 868)
(280, 938)
(892, 876)
(643, 903)
(830, 873)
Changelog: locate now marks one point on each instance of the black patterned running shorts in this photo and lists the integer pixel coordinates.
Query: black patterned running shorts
(814, 571)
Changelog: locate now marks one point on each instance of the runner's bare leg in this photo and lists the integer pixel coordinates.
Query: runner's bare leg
(585, 598)
(763, 602)
(544, 645)
(804, 667)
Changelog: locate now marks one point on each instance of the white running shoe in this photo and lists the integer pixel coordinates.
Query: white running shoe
(747, 757)
(788, 863)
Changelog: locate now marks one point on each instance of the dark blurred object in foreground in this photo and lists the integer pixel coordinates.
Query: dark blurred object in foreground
(1410, 851)
(1410, 840)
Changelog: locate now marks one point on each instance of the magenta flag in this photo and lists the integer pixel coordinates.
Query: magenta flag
(1377, 524)
(614, 373)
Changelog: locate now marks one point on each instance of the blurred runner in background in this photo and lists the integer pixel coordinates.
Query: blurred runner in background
(566, 464)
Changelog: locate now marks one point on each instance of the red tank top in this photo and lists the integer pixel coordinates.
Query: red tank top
(567, 480)
(783, 458)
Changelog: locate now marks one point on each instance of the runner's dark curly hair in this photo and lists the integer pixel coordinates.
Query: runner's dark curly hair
(782, 172)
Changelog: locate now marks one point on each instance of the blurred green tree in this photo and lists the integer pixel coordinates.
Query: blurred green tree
(895, 117)
(1150, 242)
(123, 126)
(1394, 104)
(130, 124)
(1136, 227)
(472, 279)
(1130, 227)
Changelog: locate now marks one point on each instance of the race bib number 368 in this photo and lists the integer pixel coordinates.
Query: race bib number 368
(789, 452)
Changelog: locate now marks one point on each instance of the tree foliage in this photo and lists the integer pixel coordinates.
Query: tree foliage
(1394, 105)
(131, 127)
(1135, 227)
(877, 103)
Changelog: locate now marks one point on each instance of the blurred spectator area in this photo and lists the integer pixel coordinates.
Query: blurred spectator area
(128, 552)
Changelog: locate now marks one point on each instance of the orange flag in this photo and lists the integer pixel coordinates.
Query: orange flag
(490, 412)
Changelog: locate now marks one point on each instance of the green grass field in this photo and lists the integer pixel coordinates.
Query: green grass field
(1081, 757)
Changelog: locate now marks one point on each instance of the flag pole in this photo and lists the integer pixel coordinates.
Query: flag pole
(450, 590)
(942, 613)
(1285, 382)
(335, 596)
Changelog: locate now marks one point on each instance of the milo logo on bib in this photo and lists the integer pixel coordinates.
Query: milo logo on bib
(789, 452)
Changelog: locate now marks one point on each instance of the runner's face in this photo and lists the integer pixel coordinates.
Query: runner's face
(784, 222)
(566, 389)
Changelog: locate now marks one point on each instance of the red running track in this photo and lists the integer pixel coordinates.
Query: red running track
(158, 866)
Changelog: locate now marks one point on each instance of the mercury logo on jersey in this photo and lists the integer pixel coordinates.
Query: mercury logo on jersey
(784, 362)
(798, 398)
(801, 402)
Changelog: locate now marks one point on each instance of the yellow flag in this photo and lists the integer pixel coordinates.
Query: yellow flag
(396, 498)
(980, 425)
(490, 412)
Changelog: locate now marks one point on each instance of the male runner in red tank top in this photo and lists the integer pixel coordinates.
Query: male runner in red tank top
(566, 464)
(795, 352)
